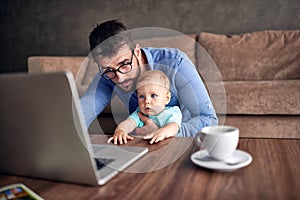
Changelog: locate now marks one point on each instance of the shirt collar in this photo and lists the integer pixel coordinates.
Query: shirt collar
(149, 57)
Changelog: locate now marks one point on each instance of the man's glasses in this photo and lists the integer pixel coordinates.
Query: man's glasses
(123, 69)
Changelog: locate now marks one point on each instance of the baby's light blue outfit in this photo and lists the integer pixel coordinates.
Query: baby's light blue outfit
(169, 115)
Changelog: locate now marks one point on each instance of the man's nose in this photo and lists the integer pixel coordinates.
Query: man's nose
(119, 76)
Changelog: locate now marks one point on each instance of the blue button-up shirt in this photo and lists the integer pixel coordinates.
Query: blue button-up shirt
(188, 91)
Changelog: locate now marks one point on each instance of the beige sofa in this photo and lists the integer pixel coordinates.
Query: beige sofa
(260, 73)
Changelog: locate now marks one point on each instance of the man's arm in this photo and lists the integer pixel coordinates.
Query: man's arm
(197, 108)
(96, 98)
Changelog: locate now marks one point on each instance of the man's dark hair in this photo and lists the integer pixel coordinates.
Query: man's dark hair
(111, 35)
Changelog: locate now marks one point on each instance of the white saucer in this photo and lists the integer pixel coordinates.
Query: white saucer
(202, 159)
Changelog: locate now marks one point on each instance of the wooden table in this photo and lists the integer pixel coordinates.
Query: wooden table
(273, 174)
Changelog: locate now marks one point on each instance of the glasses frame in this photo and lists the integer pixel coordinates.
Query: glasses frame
(118, 69)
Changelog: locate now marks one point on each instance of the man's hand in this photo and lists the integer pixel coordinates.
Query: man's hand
(149, 125)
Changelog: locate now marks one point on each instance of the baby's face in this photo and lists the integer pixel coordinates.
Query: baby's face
(152, 99)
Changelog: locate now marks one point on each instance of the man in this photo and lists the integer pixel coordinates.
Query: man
(121, 61)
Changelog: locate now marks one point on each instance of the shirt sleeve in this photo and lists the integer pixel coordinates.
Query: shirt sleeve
(96, 98)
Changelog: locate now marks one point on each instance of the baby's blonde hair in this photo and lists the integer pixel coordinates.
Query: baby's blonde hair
(153, 77)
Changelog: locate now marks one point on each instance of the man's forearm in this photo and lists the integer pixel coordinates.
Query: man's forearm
(195, 124)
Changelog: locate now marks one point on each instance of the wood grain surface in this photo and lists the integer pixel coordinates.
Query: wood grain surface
(273, 174)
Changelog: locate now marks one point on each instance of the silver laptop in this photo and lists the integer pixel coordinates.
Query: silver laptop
(43, 133)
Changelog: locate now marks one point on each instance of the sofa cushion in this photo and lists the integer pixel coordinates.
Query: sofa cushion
(264, 55)
(257, 97)
(266, 126)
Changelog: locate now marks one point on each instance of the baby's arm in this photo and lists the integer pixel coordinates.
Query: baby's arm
(172, 127)
(122, 131)
(169, 130)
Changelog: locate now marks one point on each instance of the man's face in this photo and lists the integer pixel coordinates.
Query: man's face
(125, 58)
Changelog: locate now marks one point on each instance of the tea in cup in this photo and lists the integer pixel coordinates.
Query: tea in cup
(219, 141)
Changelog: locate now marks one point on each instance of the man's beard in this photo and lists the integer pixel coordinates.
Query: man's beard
(129, 88)
(134, 81)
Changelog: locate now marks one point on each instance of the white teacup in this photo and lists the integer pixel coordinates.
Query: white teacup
(219, 141)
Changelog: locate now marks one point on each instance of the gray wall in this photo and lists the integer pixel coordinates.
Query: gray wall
(61, 27)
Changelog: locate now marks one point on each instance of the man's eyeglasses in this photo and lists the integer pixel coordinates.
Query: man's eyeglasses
(123, 69)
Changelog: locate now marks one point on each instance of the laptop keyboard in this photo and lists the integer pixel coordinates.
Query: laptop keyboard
(101, 162)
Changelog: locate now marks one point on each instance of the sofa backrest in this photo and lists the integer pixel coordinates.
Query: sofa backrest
(239, 59)
(264, 55)
(185, 43)
(48, 64)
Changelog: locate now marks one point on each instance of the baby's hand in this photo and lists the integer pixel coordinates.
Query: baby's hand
(169, 130)
(156, 136)
(120, 136)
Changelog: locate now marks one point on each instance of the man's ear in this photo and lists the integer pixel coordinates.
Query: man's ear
(168, 97)
(137, 50)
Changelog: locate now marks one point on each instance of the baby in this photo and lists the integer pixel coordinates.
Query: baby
(153, 89)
